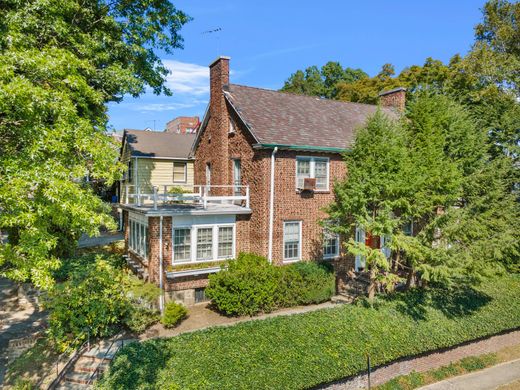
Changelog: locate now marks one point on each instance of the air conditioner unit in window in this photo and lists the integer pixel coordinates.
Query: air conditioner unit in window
(309, 184)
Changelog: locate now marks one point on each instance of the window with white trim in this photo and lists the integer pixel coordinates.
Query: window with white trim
(330, 244)
(204, 244)
(181, 245)
(198, 243)
(138, 241)
(313, 167)
(225, 242)
(292, 240)
(179, 172)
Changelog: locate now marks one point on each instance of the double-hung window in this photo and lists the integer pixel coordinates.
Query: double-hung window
(179, 172)
(330, 244)
(313, 167)
(181, 245)
(204, 243)
(292, 240)
(225, 242)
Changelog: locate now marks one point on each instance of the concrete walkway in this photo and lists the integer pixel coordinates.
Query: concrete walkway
(103, 239)
(487, 379)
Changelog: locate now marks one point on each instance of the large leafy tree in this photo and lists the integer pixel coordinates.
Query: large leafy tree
(61, 61)
(322, 82)
(432, 170)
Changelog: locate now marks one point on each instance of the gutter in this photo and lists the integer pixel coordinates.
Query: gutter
(271, 207)
(302, 147)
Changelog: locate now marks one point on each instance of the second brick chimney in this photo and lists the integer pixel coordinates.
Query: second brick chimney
(395, 98)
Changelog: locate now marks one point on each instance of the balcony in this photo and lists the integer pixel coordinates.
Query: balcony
(196, 196)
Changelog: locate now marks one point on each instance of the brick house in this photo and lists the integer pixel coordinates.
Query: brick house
(183, 125)
(266, 162)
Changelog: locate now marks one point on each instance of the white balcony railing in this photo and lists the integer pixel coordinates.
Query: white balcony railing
(182, 194)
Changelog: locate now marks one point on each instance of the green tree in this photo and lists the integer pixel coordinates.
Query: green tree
(61, 61)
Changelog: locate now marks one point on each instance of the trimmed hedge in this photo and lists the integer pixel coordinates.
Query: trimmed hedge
(173, 314)
(301, 351)
(250, 285)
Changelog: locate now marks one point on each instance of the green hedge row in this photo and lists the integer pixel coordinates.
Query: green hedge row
(250, 285)
(301, 351)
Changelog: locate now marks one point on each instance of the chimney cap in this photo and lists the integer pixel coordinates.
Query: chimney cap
(218, 59)
(398, 89)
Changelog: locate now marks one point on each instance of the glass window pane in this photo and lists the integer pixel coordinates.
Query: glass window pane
(291, 240)
(303, 170)
(179, 172)
(181, 245)
(320, 172)
(204, 243)
(225, 242)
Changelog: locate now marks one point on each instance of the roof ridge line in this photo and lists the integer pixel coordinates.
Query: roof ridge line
(309, 96)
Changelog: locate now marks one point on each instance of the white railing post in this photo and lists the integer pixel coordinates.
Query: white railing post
(126, 194)
(247, 196)
(155, 197)
(139, 196)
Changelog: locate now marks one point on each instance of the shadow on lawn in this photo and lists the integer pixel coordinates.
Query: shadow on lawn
(137, 365)
(452, 302)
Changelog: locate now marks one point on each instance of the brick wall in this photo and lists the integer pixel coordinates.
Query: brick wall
(395, 98)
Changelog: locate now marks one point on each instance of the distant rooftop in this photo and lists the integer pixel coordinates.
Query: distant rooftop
(144, 143)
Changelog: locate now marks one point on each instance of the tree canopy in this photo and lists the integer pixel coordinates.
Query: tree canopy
(61, 61)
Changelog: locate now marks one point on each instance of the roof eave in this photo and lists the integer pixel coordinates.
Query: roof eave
(306, 148)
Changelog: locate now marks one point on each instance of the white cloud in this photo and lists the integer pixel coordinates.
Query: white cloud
(187, 78)
(173, 106)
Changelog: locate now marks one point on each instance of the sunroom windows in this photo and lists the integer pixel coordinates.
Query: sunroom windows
(200, 243)
(312, 167)
(138, 240)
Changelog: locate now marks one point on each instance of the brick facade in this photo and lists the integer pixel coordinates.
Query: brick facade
(395, 98)
(183, 125)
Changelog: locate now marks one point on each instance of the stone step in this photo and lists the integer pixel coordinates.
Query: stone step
(77, 377)
(90, 364)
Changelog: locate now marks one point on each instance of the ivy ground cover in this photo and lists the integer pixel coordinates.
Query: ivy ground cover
(301, 351)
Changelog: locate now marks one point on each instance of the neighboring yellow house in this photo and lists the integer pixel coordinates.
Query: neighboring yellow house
(155, 159)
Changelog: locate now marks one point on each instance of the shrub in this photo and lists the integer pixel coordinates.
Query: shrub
(251, 285)
(91, 297)
(138, 319)
(310, 349)
(173, 313)
(248, 286)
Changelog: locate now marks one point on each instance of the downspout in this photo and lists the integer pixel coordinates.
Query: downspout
(161, 297)
(271, 207)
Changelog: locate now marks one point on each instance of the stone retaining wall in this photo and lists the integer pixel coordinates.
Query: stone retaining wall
(427, 361)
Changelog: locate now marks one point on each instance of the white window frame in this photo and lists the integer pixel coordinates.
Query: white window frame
(185, 172)
(193, 244)
(292, 260)
(336, 236)
(312, 172)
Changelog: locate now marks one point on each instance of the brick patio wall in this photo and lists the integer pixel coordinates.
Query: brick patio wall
(427, 361)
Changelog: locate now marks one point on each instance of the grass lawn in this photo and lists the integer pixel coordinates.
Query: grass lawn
(305, 350)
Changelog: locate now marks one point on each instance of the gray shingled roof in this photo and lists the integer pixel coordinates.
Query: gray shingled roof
(288, 119)
(159, 144)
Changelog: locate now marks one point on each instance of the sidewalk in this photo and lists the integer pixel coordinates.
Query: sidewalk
(487, 379)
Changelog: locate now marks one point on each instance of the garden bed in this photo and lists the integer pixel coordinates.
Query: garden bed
(306, 350)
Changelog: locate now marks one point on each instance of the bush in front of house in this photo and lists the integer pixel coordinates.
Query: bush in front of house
(173, 314)
(95, 292)
(250, 285)
(307, 350)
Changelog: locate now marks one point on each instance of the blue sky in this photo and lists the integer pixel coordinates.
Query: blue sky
(269, 40)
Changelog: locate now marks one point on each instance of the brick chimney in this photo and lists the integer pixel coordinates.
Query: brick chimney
(218, 125)
(395, 98)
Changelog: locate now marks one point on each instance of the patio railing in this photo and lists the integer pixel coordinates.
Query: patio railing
(196, 194)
